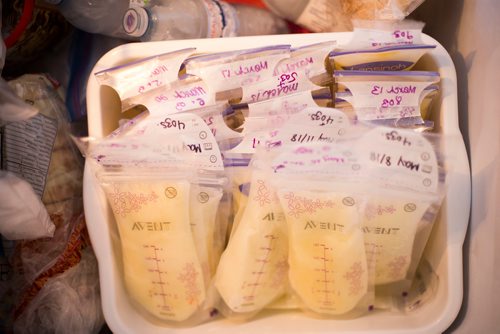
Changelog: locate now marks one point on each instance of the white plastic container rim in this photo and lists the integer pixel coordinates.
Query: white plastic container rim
(444, 251)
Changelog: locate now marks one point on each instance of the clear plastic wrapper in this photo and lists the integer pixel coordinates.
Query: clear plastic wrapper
(408, 178)
(387, 58)
(164, 239)
(22, 213)
(262, 117)
(305, 69)
(311, 58)
(227, 72)
(39, 150)
(277, 86)
(336, 15)
(381, 46)
(372, 34)
(165, 201)
(142, 75)
(259, 246)
(36, 261)
(427, 98)
(396, 179)
(322, 198)
(387, 97)
(69, 301)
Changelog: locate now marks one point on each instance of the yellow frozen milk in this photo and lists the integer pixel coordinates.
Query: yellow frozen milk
(327, 259)
(162, 272)
(390, 226)
(252, 270)
(204, 204)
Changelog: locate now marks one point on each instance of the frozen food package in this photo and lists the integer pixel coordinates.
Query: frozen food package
(312, 59)
(381, 46)
(312, 124)
(226, 72)
(165, 202)
(145, 74)
(208, 232)
(406, 169)
(387, 97)
(40, 149)
(162, 271)
(37, 148)
(322, 198)
(305, 69)
(336, 15)
(252, 270)
(427, 100)
(264, 116)
(328, 266)
(372, 34)
(282, 85)
(385, 10)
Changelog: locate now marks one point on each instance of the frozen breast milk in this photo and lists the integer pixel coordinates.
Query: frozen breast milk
(390, 226)
(327, 259)
(252, 269)
(204, 204)
(162, 272)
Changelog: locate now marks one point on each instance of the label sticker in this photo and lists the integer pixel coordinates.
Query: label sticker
(27, 149)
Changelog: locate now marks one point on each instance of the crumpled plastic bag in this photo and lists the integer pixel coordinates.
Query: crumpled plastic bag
(67, 303)
(22, 213)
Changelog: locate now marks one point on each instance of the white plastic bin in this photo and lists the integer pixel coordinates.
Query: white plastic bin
(444, 251)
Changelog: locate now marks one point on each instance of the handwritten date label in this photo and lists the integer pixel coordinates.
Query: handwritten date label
(408, 155)
(185, 96)
(140, 77)
(381, 37)
(385, 99)
(234, 74)
(282, 85)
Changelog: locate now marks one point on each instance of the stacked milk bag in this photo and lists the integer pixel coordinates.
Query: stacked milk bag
(274, 178)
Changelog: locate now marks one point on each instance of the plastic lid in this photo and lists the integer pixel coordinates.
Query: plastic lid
(135, 21)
